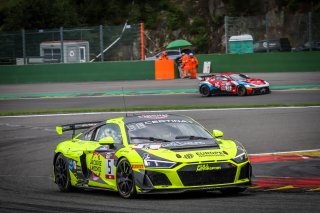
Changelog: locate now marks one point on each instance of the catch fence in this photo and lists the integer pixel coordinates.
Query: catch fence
(63, 45)
(300, 31)
(272, 32)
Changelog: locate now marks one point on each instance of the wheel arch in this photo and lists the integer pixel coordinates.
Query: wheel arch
(211, 87)
(242, 85)
(55, 157)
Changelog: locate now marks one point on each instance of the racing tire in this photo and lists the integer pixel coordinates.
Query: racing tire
(232, 191)
(61, 173)
(241, 91)
(205, 91)
(125, 179)
(268, 91)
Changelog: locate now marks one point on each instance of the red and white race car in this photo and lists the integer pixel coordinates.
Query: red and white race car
(232, 83)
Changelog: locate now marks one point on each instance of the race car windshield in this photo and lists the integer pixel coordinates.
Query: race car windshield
(239, 77)
(165, 131)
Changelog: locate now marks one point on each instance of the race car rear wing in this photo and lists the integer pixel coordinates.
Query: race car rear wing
(75, 126)
(204, 76)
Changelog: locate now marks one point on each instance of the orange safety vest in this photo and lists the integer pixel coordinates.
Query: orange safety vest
(193, 63)
(186, 63)
(163, 57)
(184, 60)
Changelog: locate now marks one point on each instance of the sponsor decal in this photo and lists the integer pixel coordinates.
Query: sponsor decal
(142, 125)
(166, 121)
(207, 167)
(137, 166)
(156, 116)
(95, 165)
(186, 143)
(210, 153)
(103, 148)
(155, 146)
(136, 126)
(146, 146)
(188, 156)
(146, 156)
(72, 165)
(109, 165)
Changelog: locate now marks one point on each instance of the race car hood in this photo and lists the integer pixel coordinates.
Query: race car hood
(187, 151)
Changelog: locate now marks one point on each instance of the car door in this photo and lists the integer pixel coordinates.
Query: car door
(101, 161)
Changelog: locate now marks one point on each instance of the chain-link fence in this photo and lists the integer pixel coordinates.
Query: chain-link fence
(273, 32)
(100, 43)
(276, 32)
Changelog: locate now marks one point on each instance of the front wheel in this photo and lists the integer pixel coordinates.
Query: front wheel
(205, 91)
(268, 90)
(241, 90)
(125, 179)
(61, 172)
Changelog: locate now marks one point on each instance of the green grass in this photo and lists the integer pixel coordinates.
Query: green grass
(151, 108)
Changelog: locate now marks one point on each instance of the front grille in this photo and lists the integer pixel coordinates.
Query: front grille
(158, 178)
(245, 171)
(207, 174)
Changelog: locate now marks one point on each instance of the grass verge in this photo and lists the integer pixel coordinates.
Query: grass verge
(151, 108)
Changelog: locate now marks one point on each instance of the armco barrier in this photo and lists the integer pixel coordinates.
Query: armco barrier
(145, 70)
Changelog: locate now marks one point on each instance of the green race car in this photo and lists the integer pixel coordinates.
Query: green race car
(157, 153)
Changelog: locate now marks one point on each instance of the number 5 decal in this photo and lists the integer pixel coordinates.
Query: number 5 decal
(109, 165)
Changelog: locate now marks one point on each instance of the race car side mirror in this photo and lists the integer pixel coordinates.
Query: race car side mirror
(106, 141)
(217, 133)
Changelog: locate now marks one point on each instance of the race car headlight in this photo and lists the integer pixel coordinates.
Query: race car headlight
(241, 155)
(158, 164)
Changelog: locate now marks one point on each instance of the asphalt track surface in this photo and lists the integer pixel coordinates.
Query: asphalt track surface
(27, 144)
(86, 95)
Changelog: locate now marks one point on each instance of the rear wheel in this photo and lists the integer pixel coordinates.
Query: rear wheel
(61, 172)
(205, 91)
(241, 90)
(125, 179)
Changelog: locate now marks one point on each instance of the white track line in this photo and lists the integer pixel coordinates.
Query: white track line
(157, 111)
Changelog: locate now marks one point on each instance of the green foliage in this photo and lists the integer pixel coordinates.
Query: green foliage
(217, 21)
(199, 33)
(176, 19)
(161, 15)
(38, 14)
(243, 8)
